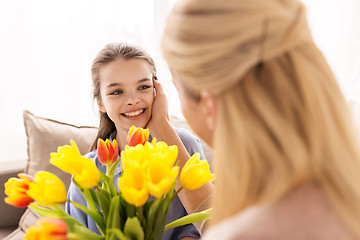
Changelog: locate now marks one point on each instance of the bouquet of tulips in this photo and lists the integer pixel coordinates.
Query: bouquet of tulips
(148, 168)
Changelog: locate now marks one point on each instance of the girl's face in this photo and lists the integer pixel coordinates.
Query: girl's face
(127, 93)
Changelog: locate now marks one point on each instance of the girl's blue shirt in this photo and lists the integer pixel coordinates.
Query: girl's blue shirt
(176, 210)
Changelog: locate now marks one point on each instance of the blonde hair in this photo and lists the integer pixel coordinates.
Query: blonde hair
(282, 120)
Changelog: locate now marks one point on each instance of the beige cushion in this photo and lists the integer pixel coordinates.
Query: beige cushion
(17, 234)
(45, 136)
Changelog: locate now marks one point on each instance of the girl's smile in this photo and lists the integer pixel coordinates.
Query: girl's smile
(134, 114)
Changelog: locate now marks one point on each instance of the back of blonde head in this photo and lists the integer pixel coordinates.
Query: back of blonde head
(282, 120)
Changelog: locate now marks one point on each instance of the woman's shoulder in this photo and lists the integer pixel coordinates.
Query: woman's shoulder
(302, 214)
(238, 226)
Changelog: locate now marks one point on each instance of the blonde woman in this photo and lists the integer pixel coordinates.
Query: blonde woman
(255, 87)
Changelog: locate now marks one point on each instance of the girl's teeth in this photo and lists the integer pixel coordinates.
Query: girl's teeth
(133, 114)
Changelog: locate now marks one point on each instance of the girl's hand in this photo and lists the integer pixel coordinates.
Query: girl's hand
(160, 116)
(160, 128)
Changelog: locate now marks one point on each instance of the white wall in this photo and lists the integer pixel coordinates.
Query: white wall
(335, 25)
(46, 50)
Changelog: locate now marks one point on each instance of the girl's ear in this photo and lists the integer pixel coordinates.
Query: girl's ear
(100, 105)
(209, 104)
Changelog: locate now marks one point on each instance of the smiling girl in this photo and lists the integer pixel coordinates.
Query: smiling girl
(127, 94)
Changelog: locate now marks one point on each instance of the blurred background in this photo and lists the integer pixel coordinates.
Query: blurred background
(47, 47)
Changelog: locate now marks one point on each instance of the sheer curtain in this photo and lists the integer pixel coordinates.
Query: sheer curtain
(336, 29)
(46, 50)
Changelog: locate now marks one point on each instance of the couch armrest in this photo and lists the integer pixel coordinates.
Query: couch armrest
(10, 215)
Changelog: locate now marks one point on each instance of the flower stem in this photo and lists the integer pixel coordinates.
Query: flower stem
(141, 215)
(89, 199)
(191, 218)
(176, 193)
(94, 214)
(108, 171)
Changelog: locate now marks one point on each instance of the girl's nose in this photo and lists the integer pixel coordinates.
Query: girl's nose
(132, 100)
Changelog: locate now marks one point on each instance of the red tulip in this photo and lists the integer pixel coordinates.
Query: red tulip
(137, 136)
(16, 189)
(107, 152)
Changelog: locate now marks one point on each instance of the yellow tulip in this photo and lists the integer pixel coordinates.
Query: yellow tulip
(89, 175)
(167, 153)
(47, 229)
(132, 185)
(47, 189)
(69, 159)
(195, 173)
(138, 154)
(66, 158)
(142, 154)
(160, 177)
(157, 159)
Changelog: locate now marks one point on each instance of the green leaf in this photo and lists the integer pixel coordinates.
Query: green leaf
(166, 201)
(133, 229)
(100, 184)
(104, 201)
(156, 219)
(44, 212)
(114, 220)
(71, 222)
(171, 193)
(129, 210)
(87, 195)
(104, 178)
(113, 168)
(58, 212)
(109, 184)
(155, 212)
(191, 218)
(118, 233)
(95, 215)
(92, 211)
(160, 219)
(81, 232)
(94, 196)
(147, 206)
(151, 215)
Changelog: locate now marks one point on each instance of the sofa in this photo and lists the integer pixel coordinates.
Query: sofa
(43, 137)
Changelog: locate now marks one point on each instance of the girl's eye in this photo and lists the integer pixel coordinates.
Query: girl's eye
(117, 92)
(144, 87)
